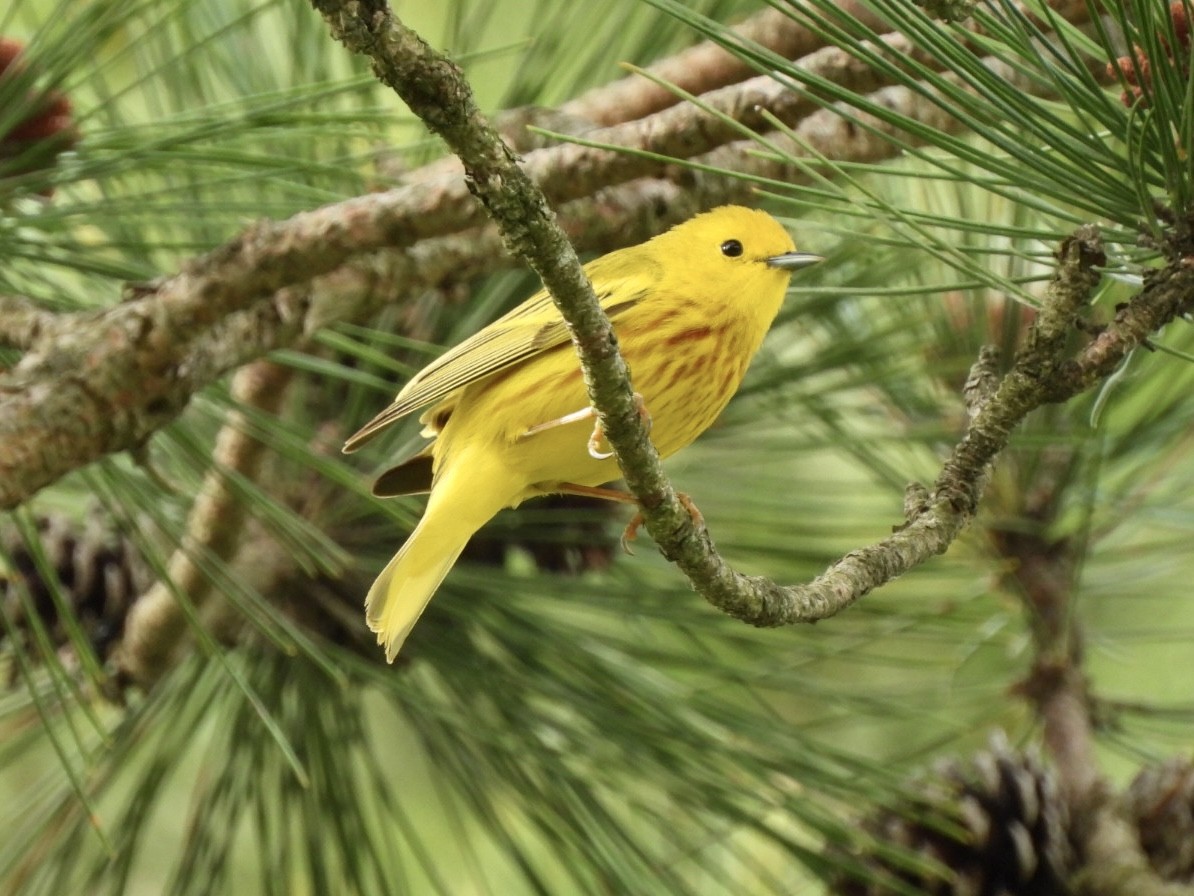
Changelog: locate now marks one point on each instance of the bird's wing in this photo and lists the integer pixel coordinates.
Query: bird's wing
(531, 328)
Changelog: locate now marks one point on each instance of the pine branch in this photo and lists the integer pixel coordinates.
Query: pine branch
(1114, 862)
(702, 68)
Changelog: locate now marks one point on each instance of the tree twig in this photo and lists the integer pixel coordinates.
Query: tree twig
(702, 68)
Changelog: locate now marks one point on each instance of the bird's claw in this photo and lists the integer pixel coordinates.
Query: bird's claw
(630, 533)
(595, 451)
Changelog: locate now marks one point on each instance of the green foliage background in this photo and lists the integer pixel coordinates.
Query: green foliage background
(606, 732)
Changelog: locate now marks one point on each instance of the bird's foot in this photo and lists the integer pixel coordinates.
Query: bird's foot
(636, 522)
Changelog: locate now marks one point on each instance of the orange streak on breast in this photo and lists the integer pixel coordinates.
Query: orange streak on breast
(689, 335)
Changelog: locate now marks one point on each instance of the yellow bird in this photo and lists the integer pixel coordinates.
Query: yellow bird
(509, 413)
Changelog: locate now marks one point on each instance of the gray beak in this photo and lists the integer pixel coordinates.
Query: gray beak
(792, 261)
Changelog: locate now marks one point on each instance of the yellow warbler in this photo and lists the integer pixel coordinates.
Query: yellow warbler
(510, 415)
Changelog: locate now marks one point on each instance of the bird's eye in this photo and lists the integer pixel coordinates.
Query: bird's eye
(731, 248)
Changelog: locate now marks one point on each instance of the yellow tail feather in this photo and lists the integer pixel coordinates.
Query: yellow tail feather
(456, 509)
(405, 587)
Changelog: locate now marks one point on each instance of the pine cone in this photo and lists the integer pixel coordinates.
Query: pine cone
(1161, 802)
(101, 574)
(44, 126)
(993, 826)
(1136, 68)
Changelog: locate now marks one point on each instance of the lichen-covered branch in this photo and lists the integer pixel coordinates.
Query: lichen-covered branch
(21, 322)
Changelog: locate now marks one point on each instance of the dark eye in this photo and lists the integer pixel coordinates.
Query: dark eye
(731, 248)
